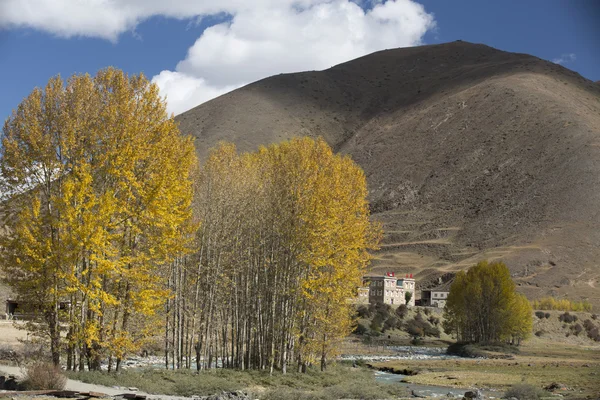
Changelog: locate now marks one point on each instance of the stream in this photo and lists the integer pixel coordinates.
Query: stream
(428, 390)
(416, 353)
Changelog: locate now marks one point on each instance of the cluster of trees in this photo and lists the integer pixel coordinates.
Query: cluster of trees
(247, 262)
(100, 201)
(483, 306)
(550, 303)
(282, 246)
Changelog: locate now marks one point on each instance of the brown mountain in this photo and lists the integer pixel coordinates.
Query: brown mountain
(470, 153)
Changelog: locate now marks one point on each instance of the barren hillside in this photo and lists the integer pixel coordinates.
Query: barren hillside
(470, 153)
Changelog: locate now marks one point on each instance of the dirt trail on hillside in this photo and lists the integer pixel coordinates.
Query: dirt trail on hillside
(470, 153)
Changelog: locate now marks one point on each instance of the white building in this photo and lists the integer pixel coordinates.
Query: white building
(436, 297)
(389, 289)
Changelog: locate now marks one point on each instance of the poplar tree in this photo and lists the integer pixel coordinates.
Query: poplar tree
(101, 177)
(282, 245)
(484, 307)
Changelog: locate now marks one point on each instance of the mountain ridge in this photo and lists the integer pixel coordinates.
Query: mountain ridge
(470, 153)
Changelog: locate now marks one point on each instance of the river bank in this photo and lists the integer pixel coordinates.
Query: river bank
(542, 364)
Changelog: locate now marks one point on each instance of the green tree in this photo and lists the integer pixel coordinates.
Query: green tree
(483, 306)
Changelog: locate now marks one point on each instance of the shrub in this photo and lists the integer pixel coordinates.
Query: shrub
(433, 320)
(540, 314)
(576, 329)
(540, 333)
(360, 329)
(568, 318)
(592, 330)
(547, 315)
(416, 341)
(414, 330)
(524, 392)
(363, 312)
(465, 350)
(380, 308)
(401, 311)
(550, 303)
(432, 331)
(419, 327)
(377, 323)
(427, 311)
(594, 334)
(594, 316)
(477, 350)
(390, 323)
(44, 376)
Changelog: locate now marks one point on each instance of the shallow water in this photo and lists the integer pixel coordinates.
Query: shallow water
(404, 353)
(418, 353)
(428, 390)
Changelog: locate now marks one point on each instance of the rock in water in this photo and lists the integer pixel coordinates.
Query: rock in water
(473, 395)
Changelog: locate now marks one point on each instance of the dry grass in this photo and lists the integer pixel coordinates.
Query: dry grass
(339, 381)
(540, 363)
(44, 376)
(10, 335)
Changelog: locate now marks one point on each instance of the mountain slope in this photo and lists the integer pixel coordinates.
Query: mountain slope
(470, 153)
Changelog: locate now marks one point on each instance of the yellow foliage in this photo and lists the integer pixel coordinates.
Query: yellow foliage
(483, 306)
(294, 218)
(551, 303)
(101, 174)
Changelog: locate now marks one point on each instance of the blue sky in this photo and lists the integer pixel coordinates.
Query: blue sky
(196, 52)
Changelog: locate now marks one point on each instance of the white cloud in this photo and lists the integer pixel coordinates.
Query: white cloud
(184, 92)
(262, 37)
(565, 58)
(263, 42)
(109, 18)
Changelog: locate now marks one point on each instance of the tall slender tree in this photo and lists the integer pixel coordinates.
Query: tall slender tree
(101, 175)
(283, 243)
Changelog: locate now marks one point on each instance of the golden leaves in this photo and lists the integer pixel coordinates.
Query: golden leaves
(292, 213)
(102, 175)
(483, 305)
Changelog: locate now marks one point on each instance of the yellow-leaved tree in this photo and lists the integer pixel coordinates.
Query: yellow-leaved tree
(483, 306)
(282, 246)
(101, 176)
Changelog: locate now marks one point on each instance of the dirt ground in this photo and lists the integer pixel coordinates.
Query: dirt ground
(10, 335)
(470, 153)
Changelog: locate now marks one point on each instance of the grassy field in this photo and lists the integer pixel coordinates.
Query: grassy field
(340, 381)
(539, 363)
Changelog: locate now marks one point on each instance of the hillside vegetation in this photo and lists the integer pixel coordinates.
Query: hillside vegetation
(470, 153)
